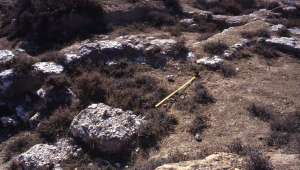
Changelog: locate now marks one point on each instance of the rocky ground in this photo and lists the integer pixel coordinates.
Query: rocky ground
(90, 104)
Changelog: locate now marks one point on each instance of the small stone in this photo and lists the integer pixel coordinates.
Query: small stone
(260, 40)
(170, 77)
(198, 137)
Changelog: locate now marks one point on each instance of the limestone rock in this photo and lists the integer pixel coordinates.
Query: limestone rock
(34, 120)
(190, 55)
(210, 62)
(285, 43)
(71, 58)
(109, 128)
(42, 93)
(48, 67)
(187, 22)
(8, 121)
(40, 157)
(86, 49)
(110, 45)
(277, 27)
(6, 80)
(6, 55)
(237, 47)
(227, 161)
(295, 30)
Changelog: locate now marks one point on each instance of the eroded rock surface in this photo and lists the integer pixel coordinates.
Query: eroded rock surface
(6, 55)
(109, 128)
(43, 156)
(227, 161)
(48, 67)
(210, 62)
(285, 43)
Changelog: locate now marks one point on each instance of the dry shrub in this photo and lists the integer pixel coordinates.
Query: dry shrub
(265, 50)
(198, 125)
(173, 6)
(231, 7)
(278, 138)
(157, 18)
(289, 123)
(14, 165)
(271, 5)
(90, 87)
(176, 31)
(236, 146)
(23, 63)
(158, 125)
(260, 110)
(248, 34)
(291, 22)
(54, 56)
(194, 102)
(57, 126)
(59, 80)
(263, 32)
(205, 36)
(257, 161)
(283, 32)
(19, 144)
(215, 47)
(228, 70)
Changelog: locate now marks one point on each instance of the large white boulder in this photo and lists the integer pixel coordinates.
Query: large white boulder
(285, 43)
(48, 67)
(6, 55)
(109, 128)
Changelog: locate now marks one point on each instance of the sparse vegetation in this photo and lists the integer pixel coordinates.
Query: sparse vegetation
(237, 146)
(215, 47)
(198, 124)
(258, 161)
(228, 70)
(283, 32)
(259, 110)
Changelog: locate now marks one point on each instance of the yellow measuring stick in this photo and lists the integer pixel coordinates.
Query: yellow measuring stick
(175, 91)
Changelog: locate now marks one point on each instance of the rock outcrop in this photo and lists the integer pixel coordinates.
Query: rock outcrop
(285, 43)
(295, 30)
(48, 67)
(44, 156)
(8, 122)
(210, 62)
(109, 128)
(227, 161)
(6, 55)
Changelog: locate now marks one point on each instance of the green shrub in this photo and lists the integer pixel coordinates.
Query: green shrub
(215, 47)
